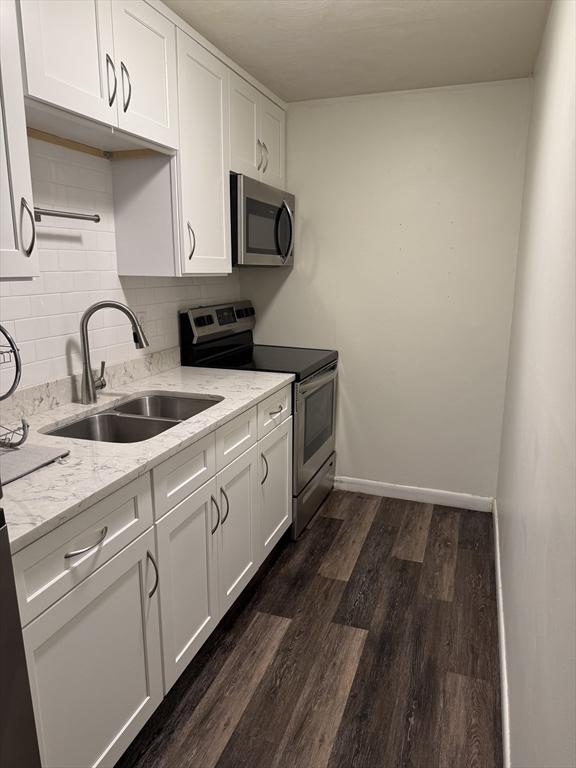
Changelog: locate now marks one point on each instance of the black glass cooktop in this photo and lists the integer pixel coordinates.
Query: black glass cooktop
(301, 361)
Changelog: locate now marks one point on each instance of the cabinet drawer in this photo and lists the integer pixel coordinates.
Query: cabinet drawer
(178, 477)
(274, 410)
(45, 570)
(235, 437)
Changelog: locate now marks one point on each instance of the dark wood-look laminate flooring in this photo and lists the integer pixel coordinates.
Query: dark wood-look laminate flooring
(372, 642)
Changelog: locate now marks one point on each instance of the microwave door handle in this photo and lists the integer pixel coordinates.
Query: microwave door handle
(286, 256)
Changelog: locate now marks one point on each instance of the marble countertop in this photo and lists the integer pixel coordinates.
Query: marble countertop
(43, 500)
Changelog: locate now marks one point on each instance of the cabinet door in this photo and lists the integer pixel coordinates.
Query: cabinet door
(246, 154)
(187, 559)
(66, 45)
(18, 253)
(275, 484)
(145, 47)
(273, 138)
(94, 662)
(204, 160)
(238, 531)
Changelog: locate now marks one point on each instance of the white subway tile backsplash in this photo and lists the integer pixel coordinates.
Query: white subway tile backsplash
(78, 301)
(46, 304)
(49, 261)
(24, 287)
(14, 307)
(59, 325)
(78, 267)
(27, 329)
(86, 281)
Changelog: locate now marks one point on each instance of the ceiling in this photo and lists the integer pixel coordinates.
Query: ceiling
(313, 49)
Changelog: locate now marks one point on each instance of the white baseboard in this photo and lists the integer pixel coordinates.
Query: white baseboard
(414, 493)
(502, 641)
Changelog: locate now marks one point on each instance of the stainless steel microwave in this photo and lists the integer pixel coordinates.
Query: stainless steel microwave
(262, 223)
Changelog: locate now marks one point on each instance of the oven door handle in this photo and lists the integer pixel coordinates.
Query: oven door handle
(317, 382)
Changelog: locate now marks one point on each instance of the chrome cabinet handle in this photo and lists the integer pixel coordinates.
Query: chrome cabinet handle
(83, 551)
(157, 575)
(124, 71)
(276, 411)
(223, 492)
(213, 531)
(265, 460)
(291, 217)
(110, 64)
(260, 154)
(192, 239)
(25, 207)
(267, 157)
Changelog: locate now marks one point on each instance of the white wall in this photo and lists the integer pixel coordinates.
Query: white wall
(536, 487)
(78, 267)
(408, 208)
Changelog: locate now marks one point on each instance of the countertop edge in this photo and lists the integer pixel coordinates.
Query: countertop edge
(42, 529)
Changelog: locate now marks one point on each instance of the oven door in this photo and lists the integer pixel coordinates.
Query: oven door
(265, 224)
(315, 424)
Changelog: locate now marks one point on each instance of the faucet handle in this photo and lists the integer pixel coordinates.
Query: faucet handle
(100, 381)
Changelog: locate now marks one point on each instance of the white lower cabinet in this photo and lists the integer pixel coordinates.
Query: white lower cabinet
(209, 547)
(275, 486)
(238, 539)
(94, 662)
(101, 657)
(188, 562)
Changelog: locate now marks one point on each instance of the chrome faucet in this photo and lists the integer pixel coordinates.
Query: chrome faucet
(90, 384)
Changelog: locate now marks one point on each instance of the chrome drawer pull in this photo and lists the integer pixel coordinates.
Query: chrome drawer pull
(25, 207)
(213, 531)
(223, 492)
(157, 575)
(192, 239)
(264, 459)
(83, 551)
(110, 65)
(124, 71)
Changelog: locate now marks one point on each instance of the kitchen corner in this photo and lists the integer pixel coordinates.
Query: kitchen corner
(287, 383)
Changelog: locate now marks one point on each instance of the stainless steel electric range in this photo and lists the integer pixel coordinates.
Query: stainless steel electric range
(220, 336)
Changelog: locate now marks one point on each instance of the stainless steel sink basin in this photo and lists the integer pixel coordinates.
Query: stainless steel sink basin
(113, 428)
(166, 405)
(137, 418)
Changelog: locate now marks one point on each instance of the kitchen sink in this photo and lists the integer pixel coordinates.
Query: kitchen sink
(113, 428)
(166, 406)
(137, 418)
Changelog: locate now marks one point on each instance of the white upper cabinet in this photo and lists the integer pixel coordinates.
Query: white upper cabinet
(257, 134)
(18, 252)
(204, 160)
(114, 62)
(69, 52)
(246, 153)
(145, 58)
(273, 143)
